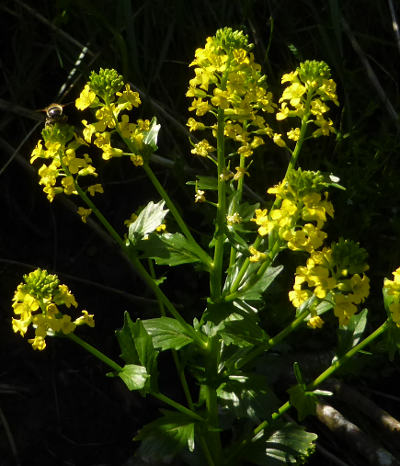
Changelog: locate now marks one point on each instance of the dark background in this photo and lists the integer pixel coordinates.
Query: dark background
(57, 406)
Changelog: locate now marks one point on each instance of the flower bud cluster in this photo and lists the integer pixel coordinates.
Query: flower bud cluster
(300, 211)
(391, 288)
(334, 274)
(228, 80)
(108, 95)
(36, 302)
(64, 166)
(310, 88)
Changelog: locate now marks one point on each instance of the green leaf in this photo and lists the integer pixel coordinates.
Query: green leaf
(255, 290)
(233, 273)
(164, 438)
(305, 402)
(290, 444)
(126, 342)
(167, 333)
(392, 340)
(151, 136)
(349, 335)
(236, 241)
(246, 397)
(134, 377)
(242, 331)
(148, 220)
(137, 349)
(207, 183)
(169, 249)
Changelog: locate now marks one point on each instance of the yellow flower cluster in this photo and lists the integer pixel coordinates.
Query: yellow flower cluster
(392, 289)
(298, 215)
(107, 94)
(329, 276)
(64, 166)
(310, 87)
(36, 302)
(228, 80)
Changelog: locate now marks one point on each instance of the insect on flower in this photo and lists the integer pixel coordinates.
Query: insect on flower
(54, 113)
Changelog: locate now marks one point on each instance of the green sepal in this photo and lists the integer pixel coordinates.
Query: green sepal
(290, 444)
(168, 249)
(167, 333)
(164, 438)
(137, 349)
(150, 218)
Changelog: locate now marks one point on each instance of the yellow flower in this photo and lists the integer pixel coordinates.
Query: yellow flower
(95, 188)
(277, 138)
(315, 322)
(294, 134)
(161, 228)
(137, 160)
(85, 318)
(233, 219)
(256, 256)
(84, 213)
(36, 302)
(128, 98)
(69, 185)
(202, 148)
(195, 125)
(86, 98)
(199, 196)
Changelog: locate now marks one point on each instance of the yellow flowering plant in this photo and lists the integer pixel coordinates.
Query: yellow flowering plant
(232, 411)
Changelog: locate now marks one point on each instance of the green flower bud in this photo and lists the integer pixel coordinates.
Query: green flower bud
(58, 132)
(230, 40)
(349, 257)
(313, 70)
(106, 83)
(40, 284)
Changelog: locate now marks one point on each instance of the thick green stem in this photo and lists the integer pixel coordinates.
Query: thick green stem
(212, 399)
(219, 237)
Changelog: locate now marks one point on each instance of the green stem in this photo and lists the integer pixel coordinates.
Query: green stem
(205, 258)
(219, 236)
(117, 368)
(146, 277)
(98, 354)
(303, 130)
(163, 298)
(107, 225)
(212, 399)
(341, 361)
(311, 386)
(165, 399)
(274, 340)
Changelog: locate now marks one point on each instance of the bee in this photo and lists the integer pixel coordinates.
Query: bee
(54, 114)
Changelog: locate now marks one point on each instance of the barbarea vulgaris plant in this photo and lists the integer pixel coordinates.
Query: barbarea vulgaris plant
(231, 415)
